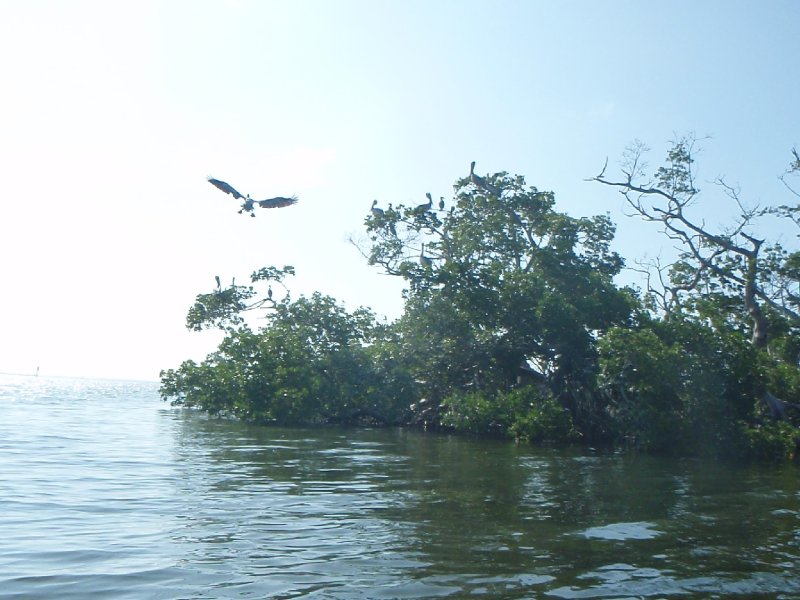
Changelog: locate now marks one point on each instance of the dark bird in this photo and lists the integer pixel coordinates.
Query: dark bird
(481, 182)
(441, 202)
(269, 293)
(425, 261)
(277, 202)
(219, 283)
(425, 207)
(225, 187)
(249, 204)
(378, 212)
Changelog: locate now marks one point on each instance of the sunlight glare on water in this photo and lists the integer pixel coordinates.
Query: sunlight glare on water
(108, 492)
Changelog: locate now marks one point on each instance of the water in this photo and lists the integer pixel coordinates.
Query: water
(106, 492)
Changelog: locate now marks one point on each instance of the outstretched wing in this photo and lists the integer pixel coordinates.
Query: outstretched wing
(277, 202)
(225, 187)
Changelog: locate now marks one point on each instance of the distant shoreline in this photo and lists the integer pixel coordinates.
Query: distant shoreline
(82, 377)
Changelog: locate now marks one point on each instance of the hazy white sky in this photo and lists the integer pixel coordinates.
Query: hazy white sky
(114, 113)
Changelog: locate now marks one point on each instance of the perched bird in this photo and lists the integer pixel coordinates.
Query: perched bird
(378, 212)
(441, 202)
(424, 207)
(225, 187)
(425, 261)
(219, 283)
(481, 182)
(277, 202)
(249, 204)
(269, 293)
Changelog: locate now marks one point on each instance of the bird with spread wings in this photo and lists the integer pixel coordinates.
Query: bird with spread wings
(249, 204)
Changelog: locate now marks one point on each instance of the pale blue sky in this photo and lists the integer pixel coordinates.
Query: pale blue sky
(114, 113)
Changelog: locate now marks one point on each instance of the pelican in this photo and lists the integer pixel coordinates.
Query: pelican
(425, 261)
(378, 212)
(481, 182)
(427, 206)
(392, 228)
(249, 203)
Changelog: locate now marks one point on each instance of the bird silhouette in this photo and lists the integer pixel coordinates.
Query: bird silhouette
(378, 212)
(441, 202)
(249, 204)
(481, 182)
(421, 208)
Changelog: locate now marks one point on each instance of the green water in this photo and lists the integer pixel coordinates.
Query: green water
(106, 492)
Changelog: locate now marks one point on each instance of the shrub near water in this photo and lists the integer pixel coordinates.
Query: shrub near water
(313, 363)
(523, 413)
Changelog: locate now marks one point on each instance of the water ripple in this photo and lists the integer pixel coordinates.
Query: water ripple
(107, 492)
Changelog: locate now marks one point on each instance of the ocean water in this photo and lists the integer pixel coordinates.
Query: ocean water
(108, 492)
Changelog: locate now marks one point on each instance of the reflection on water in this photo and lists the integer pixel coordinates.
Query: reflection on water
(106, 491)
(623, 531)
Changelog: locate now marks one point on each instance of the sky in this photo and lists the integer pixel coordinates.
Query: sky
(112, 115)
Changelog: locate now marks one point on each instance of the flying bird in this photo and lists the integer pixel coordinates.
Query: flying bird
(249, 204)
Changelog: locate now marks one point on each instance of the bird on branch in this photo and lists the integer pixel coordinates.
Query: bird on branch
(481, 182)
(421, 208)
(425, 261)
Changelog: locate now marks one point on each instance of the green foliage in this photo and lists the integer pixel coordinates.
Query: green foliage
(682, 386)
(540, 417)
(312, 363)
(223, 308)
(776, 441)
(510, 281)
(477, 413)
(524, 414)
